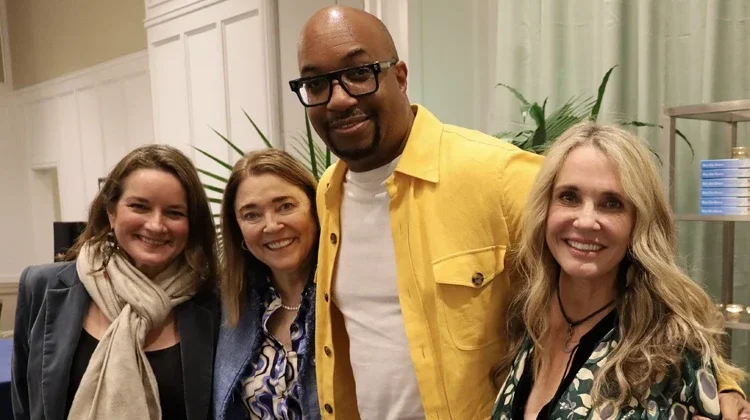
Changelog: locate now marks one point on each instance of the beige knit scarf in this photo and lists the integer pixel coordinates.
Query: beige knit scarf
(119, 382)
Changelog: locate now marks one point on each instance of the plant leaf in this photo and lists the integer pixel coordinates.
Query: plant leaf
(214, 200)
(229, 142)
(304, 159)
(600, 96)
(214, 189)
(540, 134)
(212, 175)
(257, 130)
(311, 147)
(678, 132)
(515, 93)
(214, 158)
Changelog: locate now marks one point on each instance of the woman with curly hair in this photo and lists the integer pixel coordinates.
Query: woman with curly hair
(607, 326)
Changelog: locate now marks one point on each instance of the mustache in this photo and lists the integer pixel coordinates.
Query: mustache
(344, 116)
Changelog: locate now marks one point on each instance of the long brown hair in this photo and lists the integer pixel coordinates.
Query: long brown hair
(240, 269)
(199, 252)
(662, 312)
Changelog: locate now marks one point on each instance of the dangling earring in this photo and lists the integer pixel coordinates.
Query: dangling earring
(109, 246)
(244, 246)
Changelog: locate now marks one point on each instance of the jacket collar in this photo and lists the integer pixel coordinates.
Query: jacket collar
(67, 303)
(233, 353)
(420, 158)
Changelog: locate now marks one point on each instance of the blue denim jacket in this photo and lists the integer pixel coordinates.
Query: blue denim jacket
(239, 346)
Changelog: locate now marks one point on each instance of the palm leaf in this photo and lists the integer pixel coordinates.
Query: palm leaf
(257, 130)
(214, 158)
(212, 175)
(515, 93)
(214, 189)
(303, 143)
(229, 142)
(600, 95)
(678, 132)
(537, 113)
(311, 147)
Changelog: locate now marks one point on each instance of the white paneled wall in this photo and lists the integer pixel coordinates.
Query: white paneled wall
(61, 136)
(208, 65)
(15, 221)
(83, 124)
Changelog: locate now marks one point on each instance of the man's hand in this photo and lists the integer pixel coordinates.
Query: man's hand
(733, 407)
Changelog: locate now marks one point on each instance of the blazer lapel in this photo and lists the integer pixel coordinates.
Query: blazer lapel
(197, 332)
(65, 309)
(234, 351)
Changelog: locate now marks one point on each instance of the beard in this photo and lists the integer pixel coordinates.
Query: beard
(360, 152)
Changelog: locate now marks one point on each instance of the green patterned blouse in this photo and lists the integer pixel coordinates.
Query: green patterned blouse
(697, 393)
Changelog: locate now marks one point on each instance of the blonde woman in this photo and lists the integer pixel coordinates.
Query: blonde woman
(608, 325)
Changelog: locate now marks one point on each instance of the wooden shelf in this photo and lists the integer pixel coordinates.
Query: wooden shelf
(737, 325)
(704, 218)
(729, 111)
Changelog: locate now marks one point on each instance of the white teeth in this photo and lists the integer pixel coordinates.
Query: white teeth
(152, 241)
(280, 244)
(584, 247)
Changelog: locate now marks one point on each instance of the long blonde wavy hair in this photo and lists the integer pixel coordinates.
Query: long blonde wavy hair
(662, 312)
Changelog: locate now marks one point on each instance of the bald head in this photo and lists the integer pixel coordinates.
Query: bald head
(344, 19)
(347, 59)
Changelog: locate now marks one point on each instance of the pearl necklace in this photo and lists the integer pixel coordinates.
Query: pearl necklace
(291, 308)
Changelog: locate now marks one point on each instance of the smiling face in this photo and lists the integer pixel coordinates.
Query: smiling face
(589, 222)
(150, 220)
(277, 223)
(367, 131)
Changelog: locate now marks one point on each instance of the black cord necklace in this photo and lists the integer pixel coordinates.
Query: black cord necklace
(572, 324)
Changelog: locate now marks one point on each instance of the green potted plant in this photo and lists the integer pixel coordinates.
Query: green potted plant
(548, 127)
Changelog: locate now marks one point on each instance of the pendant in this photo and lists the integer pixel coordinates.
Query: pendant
(566, 347)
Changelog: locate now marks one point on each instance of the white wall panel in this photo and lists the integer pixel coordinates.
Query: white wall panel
(205, 74)
(41, 125)
(91, 137)
(114, 123)
(70, 173)
(138, 110)
(244, 43)
(229, 64)
(170, 96)
(15, 221)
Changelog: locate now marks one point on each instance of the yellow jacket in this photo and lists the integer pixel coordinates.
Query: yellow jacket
(456, 202)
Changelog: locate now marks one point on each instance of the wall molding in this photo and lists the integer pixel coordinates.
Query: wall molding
(158, 12)
(7, 85)
(9, 284)
(122, 67)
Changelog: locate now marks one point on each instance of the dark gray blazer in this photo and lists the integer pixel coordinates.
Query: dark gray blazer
(52, 303)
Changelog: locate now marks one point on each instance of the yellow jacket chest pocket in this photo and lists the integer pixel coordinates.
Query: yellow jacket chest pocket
(472, 290)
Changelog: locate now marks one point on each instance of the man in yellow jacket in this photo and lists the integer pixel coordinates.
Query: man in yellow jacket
(417, 222)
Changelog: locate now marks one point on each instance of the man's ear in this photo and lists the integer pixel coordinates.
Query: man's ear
(401, 72)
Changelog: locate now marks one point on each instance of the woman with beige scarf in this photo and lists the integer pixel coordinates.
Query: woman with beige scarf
(126, 327)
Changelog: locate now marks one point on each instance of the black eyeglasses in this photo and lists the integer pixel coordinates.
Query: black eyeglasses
(356, 81)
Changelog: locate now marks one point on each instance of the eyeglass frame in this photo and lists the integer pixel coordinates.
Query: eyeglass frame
(376, 67)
